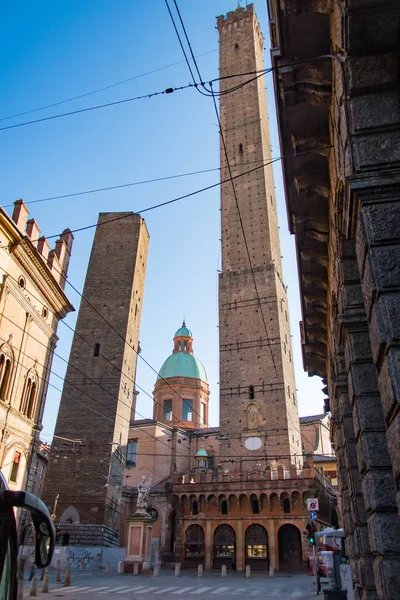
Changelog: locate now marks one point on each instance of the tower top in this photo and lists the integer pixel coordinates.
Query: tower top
(235, 15)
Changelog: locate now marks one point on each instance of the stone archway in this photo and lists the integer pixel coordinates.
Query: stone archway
(289, 546)
(224, 547)
(256, 547)
(194, 547)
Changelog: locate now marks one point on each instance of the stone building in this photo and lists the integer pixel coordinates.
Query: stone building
(337, 95)
(235, 494)
(32, 301)
(99, 395)
(39, 468)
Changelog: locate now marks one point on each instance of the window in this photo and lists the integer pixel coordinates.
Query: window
(202, 413)
(241, 148)
(255, 507)
(21, 282)
(251, 392)
(236, 47)
(96, 349)
(6, 362)
(187, 410)
(224, 507)
(131, 452)
(15, 466)
(167, 410)
(286, 506)
(195, 507)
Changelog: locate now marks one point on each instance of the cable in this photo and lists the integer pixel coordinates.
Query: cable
(190, 194)
(91, 108)
(102, 89)
(116, 187)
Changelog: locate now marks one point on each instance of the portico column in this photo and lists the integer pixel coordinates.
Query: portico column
(271, 544)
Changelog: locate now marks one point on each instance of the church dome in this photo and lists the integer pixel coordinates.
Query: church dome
(201, 453)
(182, 364)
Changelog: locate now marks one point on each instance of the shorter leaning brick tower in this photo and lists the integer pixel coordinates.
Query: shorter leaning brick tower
(98, 398)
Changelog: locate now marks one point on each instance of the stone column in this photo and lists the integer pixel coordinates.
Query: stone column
(208, 543)
(240, 560)
(272, 544)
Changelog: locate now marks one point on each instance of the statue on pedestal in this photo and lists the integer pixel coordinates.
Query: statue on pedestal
(143, 494)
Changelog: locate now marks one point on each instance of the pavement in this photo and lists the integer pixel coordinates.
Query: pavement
(99, 585)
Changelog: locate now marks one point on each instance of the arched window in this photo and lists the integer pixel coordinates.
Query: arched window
(29, 395)
(6, 363)
(286, 505)
(96, 350)
(224, 507)
(195, 507)
(255, 507)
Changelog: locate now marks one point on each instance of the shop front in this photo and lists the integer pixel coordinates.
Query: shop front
(256, 548)
(224, 547)
(194, 547)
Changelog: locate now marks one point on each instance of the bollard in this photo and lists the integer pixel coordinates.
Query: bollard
(177, 569)
(58, 570)
(45, 583)
(223, 571)
(136, 568)
(81, 565)
(199, 570)
(120, 568)
(33, 590)
(21, 582)
(271, 571)
(107, 569)
(155, 570)
(42, 574)
(67, 580)
(248, 571)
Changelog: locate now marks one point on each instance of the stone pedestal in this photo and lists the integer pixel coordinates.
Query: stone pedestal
(138, 541)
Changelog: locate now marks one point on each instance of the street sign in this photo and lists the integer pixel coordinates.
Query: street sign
(312, 504)
(313, 515)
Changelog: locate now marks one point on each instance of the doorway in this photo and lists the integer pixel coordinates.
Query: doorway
(289, 544)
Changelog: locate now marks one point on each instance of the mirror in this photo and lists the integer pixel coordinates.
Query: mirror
(43, 545)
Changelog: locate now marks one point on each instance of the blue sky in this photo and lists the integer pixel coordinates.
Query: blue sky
(53, 51)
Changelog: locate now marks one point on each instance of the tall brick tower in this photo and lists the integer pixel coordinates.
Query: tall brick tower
(98, 397)
(258, 408)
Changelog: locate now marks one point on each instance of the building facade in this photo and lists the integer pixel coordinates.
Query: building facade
(32, 301)
(337, 94)
(86, 467)
(236, 494)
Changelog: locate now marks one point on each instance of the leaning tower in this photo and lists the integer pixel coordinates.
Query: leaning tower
(258, 407)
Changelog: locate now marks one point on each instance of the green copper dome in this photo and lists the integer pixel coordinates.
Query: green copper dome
(201, 452)
(182, 364)
(183, 331)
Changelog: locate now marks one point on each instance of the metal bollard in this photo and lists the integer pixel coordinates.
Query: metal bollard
(223, 571)
(177, 569)
(199, 570)
(248, 571)
(136, 568)
(271, 571)
(45, 583)
(33, 590)
(120, 568)
(155, 571)
(107, 569)
(67, 580)
(81, 565)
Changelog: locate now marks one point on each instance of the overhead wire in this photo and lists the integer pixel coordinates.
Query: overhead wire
(102, 89)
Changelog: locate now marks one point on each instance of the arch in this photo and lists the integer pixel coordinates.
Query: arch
(6, 365)
(28, 399)
(286, 505)
(289, 548)
(256, 547)
(70, 515)
(194, 547)
(202, 503)
(296, 501)
(170, 542)
(195, 507)
(263, 502)
(254, 504)
(243, 503)
(273, 502)
(224, 547)
(252, 415)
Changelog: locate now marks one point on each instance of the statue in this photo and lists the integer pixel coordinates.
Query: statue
(143, 493)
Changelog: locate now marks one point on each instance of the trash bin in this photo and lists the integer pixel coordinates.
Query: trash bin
(335, 594)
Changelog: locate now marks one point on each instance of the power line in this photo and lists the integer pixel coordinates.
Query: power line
(92, 108)
(102, 89)
(183, 197)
